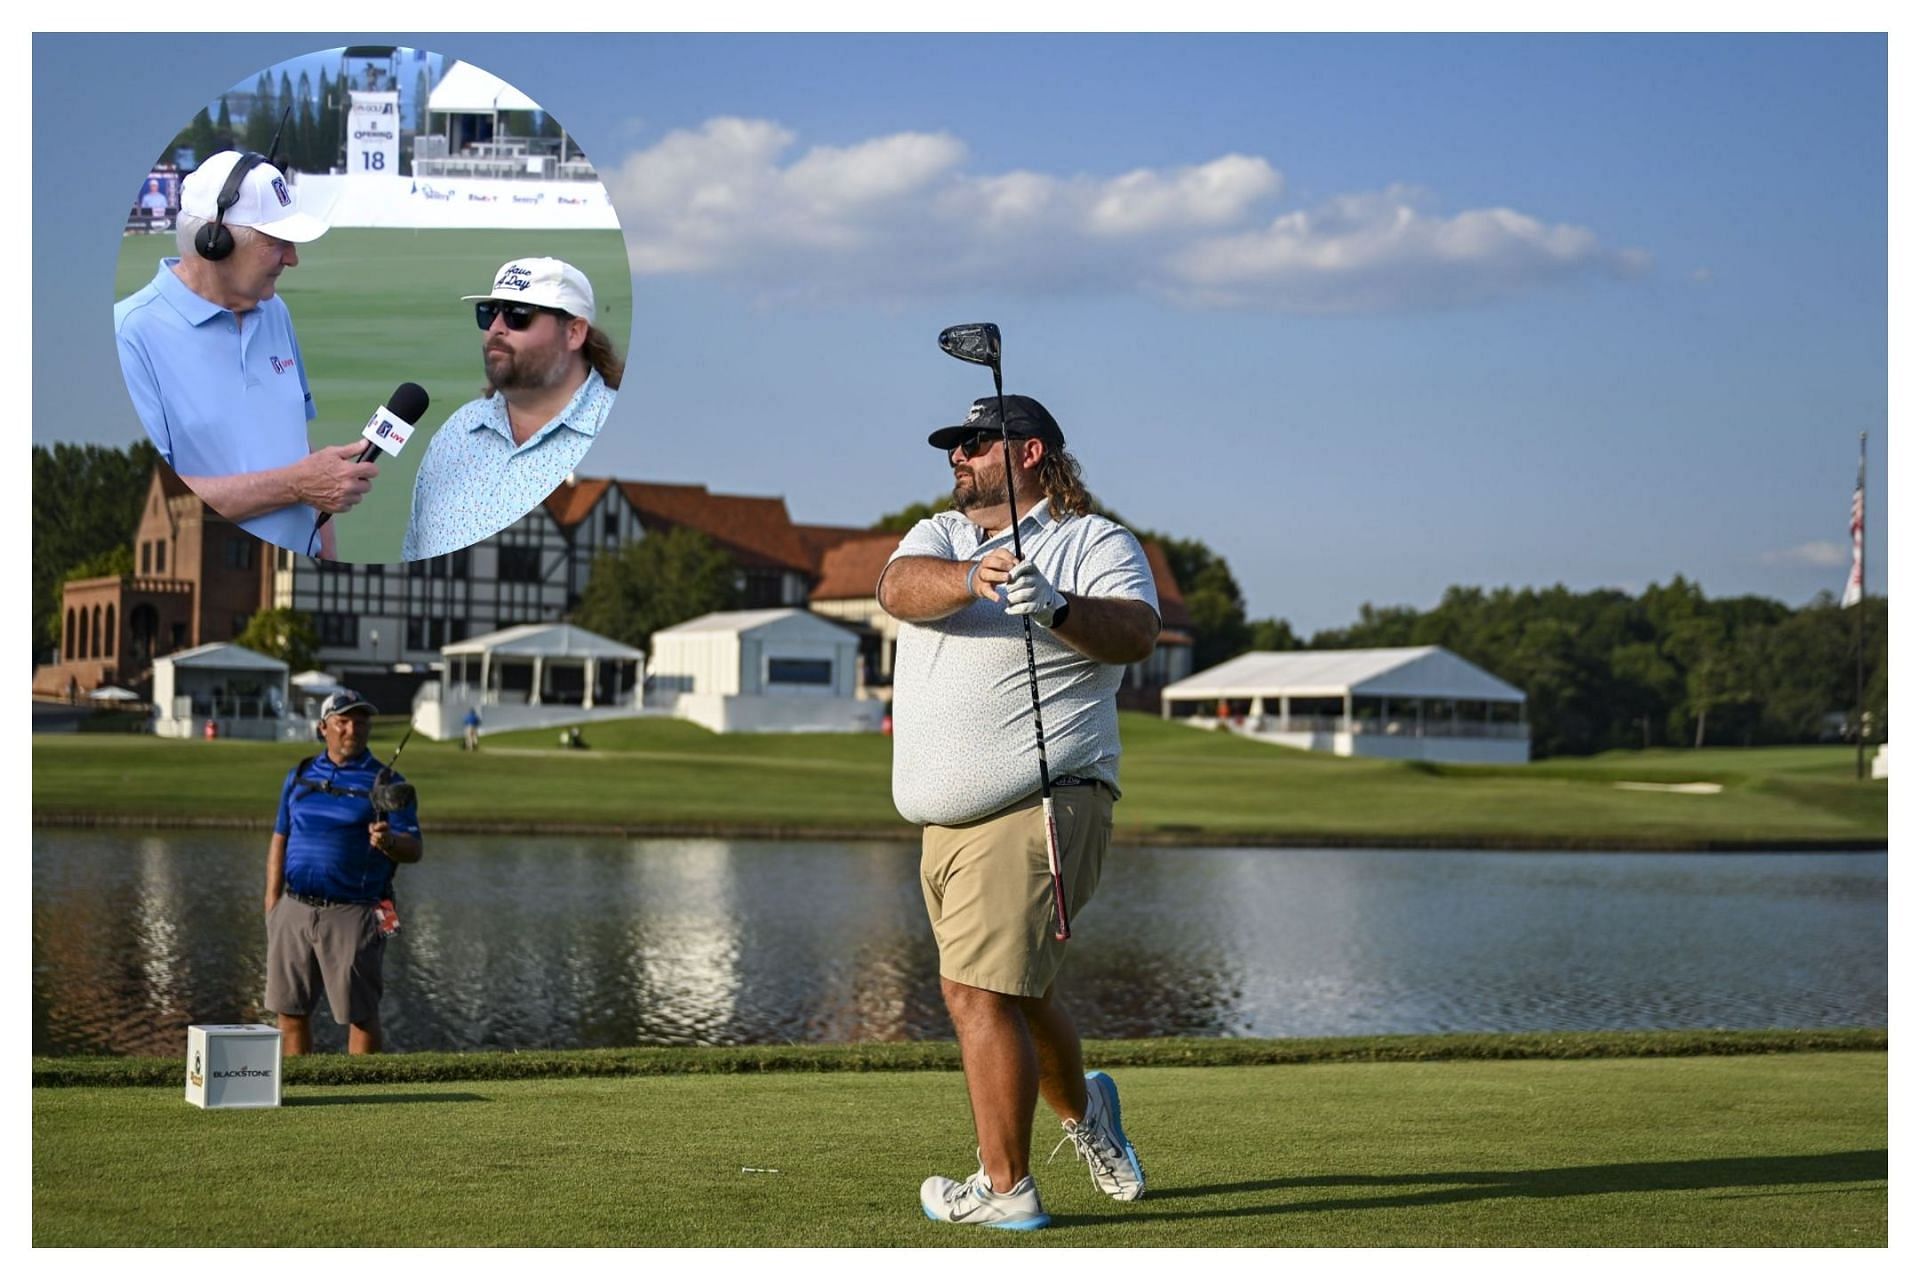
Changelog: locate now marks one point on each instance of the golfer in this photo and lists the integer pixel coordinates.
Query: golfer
(330, 882)
(209, 356)
(965, 766)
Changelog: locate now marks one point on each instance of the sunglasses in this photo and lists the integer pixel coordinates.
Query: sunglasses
(518, 315)
(978, 443)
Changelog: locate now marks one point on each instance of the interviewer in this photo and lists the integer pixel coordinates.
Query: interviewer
(210, 358)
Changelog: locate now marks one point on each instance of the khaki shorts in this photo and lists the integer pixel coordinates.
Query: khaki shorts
(990, 897)
(337, 947)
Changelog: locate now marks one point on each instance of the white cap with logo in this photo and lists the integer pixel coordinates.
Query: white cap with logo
(264, 202)
(541, 282)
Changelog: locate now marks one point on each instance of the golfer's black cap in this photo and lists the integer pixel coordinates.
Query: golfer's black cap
(1025, 417)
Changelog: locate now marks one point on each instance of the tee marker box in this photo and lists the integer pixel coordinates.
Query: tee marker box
(233, 1065)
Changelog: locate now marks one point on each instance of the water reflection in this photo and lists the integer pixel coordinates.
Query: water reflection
(518, 942)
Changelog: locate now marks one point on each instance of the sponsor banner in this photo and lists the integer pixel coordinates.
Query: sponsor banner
(369, 200)
(233, 1065)
(373, 133)
(386, 431)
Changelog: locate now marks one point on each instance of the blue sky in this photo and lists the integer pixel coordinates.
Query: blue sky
(1371, 315)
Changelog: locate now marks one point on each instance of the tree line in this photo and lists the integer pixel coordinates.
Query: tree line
(314, 119)
(1601, 669)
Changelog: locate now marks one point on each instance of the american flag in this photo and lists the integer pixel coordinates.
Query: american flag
(1856, 578)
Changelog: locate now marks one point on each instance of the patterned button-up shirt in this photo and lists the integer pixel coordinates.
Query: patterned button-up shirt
(476, 481)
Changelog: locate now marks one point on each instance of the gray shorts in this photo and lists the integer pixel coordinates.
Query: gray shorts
(337, 947)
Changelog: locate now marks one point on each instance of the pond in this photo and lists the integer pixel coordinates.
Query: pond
(571, 942)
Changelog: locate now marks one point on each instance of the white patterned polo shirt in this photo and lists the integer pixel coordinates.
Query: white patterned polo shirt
(475, 481)
(962, 710)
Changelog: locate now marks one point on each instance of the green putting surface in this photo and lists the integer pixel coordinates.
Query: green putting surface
(375, 308)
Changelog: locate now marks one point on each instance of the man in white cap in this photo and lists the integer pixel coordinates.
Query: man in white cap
(210, 358)
(551, 377)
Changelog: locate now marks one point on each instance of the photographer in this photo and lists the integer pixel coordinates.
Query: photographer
(345, 820)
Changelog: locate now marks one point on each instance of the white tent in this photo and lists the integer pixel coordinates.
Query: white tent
(316, 684)
(467, 89)
(1420, 703)
(761, 671)
(113, 693)
(242, 692)
(542, 662)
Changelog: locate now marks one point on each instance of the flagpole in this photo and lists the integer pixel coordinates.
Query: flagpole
(1860, 635)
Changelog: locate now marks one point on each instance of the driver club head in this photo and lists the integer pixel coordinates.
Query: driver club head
(974, 343)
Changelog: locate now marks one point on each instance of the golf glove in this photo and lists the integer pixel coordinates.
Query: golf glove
(1029, 593)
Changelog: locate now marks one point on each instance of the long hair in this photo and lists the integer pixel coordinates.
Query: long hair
(606, 361)
(1060, 478)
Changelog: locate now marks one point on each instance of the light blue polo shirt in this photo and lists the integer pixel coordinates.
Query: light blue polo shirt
(219, 397)
(476, 481)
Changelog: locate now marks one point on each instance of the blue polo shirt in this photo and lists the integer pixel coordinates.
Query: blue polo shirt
(475, 481)
(328, 853)
(219, 396)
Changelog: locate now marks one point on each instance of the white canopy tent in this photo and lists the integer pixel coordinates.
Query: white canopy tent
(1361, 702)
(538, 663)
(762, 671)
(466, 90)
(242, 692)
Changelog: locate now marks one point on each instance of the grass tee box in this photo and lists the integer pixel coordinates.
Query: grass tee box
(375, 308)
(1778, 1149)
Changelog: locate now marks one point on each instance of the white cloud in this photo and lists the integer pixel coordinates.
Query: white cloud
(1812, 555)
(901, 215)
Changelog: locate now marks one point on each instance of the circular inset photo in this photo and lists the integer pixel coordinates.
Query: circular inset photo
(372, 304)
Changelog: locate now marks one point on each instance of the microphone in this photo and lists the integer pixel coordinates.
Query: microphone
(388, 430)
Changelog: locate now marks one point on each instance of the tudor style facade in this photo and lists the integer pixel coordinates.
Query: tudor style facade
(199, 577)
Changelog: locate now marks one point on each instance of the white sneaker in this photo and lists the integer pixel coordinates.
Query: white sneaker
(1103, 1144)
(975, 1203)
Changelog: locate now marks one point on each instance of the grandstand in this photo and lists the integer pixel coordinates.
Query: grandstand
(477, 153)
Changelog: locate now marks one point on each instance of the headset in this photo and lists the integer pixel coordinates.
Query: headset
(214, 241)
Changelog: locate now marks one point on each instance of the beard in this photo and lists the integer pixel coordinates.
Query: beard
(526, 370)
(981, 487)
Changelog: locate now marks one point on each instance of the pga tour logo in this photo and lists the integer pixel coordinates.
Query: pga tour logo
(387, 431)
(280, 192)
(280, 363)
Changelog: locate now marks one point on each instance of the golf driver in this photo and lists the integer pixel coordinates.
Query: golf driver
(980, 344)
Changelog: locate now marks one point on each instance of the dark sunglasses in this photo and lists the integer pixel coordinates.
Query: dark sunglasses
(518, 315)
(978, 443)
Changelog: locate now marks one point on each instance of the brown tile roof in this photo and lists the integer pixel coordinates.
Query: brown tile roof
(570, 503)
(1173, 605)
(757, 530)
(851, 570)
(822, 538)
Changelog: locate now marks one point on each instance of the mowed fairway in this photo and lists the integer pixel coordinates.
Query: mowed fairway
(375, 308)
(1180, 784)
(1767, 1150)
